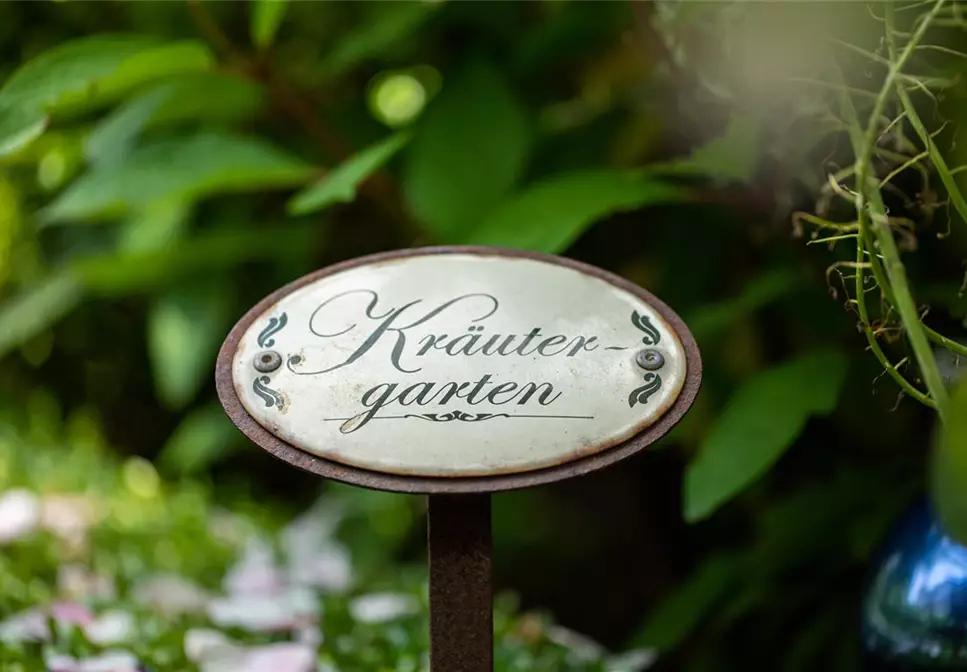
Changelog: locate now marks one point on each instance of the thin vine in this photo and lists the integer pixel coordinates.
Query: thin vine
(874, 230)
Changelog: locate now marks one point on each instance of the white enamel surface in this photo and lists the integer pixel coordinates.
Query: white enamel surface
(325, 404)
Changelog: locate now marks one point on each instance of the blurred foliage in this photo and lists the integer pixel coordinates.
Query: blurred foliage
(164, 165)
(107, 533)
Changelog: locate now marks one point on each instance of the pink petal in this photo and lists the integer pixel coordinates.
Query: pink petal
(308, 634)
(110, 661)
(111, 627)
(30, 625)
(329, 567)
(265, 613)
(313, 529)
(77, 583)
(71, 613)
(170, 594)
(382, 607)
(60, 663)
(256, 572)
(68, 516)
(282, 657)
(205, 644)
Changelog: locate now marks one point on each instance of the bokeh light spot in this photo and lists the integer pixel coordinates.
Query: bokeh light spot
(141, 478)
(397, 98)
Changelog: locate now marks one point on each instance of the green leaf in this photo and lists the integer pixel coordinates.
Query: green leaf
(127, 272)
(386, 25)
(19, 126)
(949, 467)
(97, 69)
(184, 169)
(70, 68)
(83, 73)
(470, 151)
(192, 97)
(267, 16)
(114, 137)
(162, 224)
(201, 439)
(760, 421)
(734, 155)
(823, 520)
(208, 97)
(677, 616)
(760, 291)
(185, 327)
(24, 316)
(339, 186)
(549, 216)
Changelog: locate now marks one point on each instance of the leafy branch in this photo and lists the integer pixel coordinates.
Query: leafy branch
(380, 188)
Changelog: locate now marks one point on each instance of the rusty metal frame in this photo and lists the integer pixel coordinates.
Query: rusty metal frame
(456, 485)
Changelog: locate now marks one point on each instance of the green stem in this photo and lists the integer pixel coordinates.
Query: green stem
(872, 215)
(853, 126)
(907, 309)
(934, 336)
(960, 205)
(896, 67)
(904, 384)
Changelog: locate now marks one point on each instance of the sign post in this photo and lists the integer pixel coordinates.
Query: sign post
(461, 594)
(457, 372)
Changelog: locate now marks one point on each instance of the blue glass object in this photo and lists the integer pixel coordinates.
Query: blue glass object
(915, 609)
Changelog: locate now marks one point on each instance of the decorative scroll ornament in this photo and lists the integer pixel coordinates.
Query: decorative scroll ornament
(275, 325)
(652, 335)
(640, 395)
(462, 416)
(268, 395)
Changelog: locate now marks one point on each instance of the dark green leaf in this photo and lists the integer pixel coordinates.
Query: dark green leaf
(760, 421)
(470, 150)
(185, 327)
(811, 648)
(183, 168)
(949, 467)
(819, 520)
(677, 616)
(760, 291)
(734, 155)
(549, 216)
(387, 24)
(37, 308)
(339, 186)
(267, 16)
(203, 437)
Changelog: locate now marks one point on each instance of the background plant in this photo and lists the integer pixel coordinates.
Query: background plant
(165, 165)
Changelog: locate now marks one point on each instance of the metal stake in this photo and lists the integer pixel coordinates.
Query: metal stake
(461, 591)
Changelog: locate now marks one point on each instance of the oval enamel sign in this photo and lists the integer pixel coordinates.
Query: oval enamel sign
(451, 369)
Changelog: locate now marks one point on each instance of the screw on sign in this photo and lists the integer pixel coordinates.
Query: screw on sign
(457, 372)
